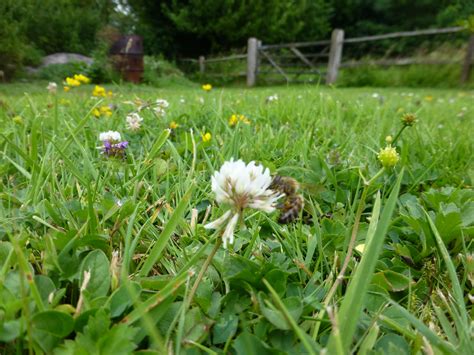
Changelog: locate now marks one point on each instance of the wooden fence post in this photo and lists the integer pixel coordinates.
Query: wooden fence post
(202, 64)
(335, 55)
(466, 68)
(252, 61)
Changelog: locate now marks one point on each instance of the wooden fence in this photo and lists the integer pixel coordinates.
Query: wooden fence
(322, 59)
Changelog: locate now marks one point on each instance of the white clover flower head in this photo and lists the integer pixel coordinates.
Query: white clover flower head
(160, 111)
(241, 186)
(162, 103)
(52, 87)
(272, 98)
(110, 136)
(134, 121)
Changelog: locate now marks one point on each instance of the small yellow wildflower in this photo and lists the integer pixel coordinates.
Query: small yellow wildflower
(206, 137)
(102, 111)
(72, 82)
(66, 88)
(98, 91)
(18, 119)
(173, 125)
(105, 111)
(389, 139)
(82, 78)
(409, 119)
(429, 98)
(234, 119)
(207, 87)
(388, 156)
(110, 94)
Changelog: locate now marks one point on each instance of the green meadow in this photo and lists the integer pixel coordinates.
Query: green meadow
(104, 253)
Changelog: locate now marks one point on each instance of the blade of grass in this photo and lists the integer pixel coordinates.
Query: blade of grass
(157, 250)
(353, 301)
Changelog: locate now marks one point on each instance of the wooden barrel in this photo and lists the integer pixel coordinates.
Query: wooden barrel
(127, 56)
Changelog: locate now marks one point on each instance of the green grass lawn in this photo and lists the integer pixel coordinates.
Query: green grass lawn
(109, 255)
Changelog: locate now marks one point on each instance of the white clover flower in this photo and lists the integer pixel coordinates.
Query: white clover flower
(52, 88)
(159, 111)
(134, 121)
(241, 186)
(162, 103)
(110, 136)
(272, 98)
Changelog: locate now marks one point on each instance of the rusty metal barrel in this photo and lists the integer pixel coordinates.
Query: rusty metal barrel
(127, 55)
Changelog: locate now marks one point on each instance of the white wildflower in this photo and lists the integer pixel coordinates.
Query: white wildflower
(162, 103)
(134, 121)
(241, 186)
(160, 111)
(272, 98)
(110, 136)
(52, 88)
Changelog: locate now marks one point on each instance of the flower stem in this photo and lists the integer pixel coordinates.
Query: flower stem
(203, 270)
(398, 134)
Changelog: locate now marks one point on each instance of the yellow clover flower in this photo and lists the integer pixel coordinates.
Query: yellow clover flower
(82, 78)
(207, 87)
(388, 156)
(72, 82)
(98, 91)
(206, 137)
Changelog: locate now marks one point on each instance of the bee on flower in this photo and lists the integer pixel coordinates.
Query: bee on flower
(239, 186)
(52, 88)
(134, 121)
(207, 87)
(388, 156)
(112, 144)
(99, 91)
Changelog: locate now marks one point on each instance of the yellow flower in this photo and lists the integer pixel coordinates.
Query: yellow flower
(18, 119)
(206, 137)
(105, 111)
(173, 125)
(207, 87)
(82, 78)
(96, 112)
(110, 94)
(429, 98)
(388, 156)
(66, 88)
(98, 91)
(72, 82)
(233, 120)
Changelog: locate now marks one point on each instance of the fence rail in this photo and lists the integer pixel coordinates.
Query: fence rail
(282, 56)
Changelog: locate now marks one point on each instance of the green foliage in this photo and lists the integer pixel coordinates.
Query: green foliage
(201, 26)
(58, 72)
(160, 73)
